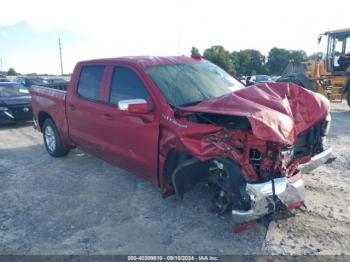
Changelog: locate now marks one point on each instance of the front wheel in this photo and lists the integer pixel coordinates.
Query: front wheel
(52, 139)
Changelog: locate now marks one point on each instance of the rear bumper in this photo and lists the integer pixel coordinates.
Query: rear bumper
(316, 161)
(291, 193)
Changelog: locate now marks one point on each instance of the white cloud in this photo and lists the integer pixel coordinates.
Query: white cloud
(3, 33)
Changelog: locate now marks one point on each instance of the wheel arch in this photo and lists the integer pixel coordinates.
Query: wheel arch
(42, 117)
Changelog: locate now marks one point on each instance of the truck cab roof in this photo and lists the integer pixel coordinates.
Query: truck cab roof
(146, 61)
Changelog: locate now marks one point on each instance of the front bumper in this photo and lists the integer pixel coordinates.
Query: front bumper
(290, 192)
(16, 114)
(316, 161)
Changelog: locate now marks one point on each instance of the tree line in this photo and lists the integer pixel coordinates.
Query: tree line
(251, 61)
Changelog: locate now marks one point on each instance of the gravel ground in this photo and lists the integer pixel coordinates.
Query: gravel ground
(81, 205)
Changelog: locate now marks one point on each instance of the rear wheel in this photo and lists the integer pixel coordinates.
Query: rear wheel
(52, 139)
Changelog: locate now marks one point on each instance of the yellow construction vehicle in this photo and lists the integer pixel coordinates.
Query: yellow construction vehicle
(329, 72)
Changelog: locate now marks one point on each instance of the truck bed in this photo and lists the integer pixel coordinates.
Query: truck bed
(57, 86)
(50, 99)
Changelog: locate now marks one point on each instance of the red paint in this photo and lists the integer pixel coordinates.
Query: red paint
(244, 227)
(139, 141)
(139, 108)
(295, 205)
(277, 112)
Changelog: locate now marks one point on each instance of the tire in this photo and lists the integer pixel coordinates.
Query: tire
(52, 139)
(348, 98)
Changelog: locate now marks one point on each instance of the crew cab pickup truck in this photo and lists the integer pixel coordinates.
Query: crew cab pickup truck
(178, 121)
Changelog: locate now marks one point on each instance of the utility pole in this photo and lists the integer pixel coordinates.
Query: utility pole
(60, 47)
(179, 44)
(1, 64)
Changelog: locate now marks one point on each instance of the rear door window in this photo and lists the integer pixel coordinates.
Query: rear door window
(126, 84)
(90, 81)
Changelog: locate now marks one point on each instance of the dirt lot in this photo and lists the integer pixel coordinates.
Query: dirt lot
(81, 205)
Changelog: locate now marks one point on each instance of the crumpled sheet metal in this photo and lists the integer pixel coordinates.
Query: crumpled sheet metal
(277, 112)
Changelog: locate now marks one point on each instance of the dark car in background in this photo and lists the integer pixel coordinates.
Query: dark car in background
(15, 103)
(56, 80)
(29, 81)
(262, 79)
(3, 78)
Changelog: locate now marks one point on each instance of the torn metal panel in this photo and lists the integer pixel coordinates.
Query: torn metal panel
(276, 111)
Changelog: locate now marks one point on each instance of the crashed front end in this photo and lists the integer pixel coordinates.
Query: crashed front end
(272, 173)
(252, 146)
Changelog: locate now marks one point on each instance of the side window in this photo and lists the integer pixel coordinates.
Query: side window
(90, 82)
(126, 85)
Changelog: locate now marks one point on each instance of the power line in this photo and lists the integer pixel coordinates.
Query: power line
(60, 47)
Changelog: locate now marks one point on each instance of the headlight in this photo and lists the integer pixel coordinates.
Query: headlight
(287, 155)
(2, 108)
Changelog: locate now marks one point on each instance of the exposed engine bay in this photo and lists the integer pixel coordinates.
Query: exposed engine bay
(248, 159)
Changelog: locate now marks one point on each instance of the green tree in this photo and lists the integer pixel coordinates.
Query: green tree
(219, 56)
(298, 55)
(194, 51)
(279, 58)
(11, 72)
(248, 61)
(235, 59)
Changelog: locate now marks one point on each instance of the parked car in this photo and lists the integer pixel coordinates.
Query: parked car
(3, 78)
(15, 103)
(275, 78)
(28, 81)
(261, 79)
(56, 80)
(178, 121)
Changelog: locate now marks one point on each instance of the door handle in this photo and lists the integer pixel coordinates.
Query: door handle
(72, 107)
(107, 116)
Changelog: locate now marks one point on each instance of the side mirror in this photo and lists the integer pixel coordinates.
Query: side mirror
(134, 106)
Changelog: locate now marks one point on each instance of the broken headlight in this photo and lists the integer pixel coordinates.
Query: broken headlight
(287, 155)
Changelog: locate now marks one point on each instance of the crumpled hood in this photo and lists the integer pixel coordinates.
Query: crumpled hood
(277, 112)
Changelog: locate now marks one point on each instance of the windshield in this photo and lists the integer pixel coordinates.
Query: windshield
(188, 84)
(13, 90)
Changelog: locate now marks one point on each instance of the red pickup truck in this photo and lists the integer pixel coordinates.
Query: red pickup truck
(178, 121)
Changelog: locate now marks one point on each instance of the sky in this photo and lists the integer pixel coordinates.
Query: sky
(29, 30)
